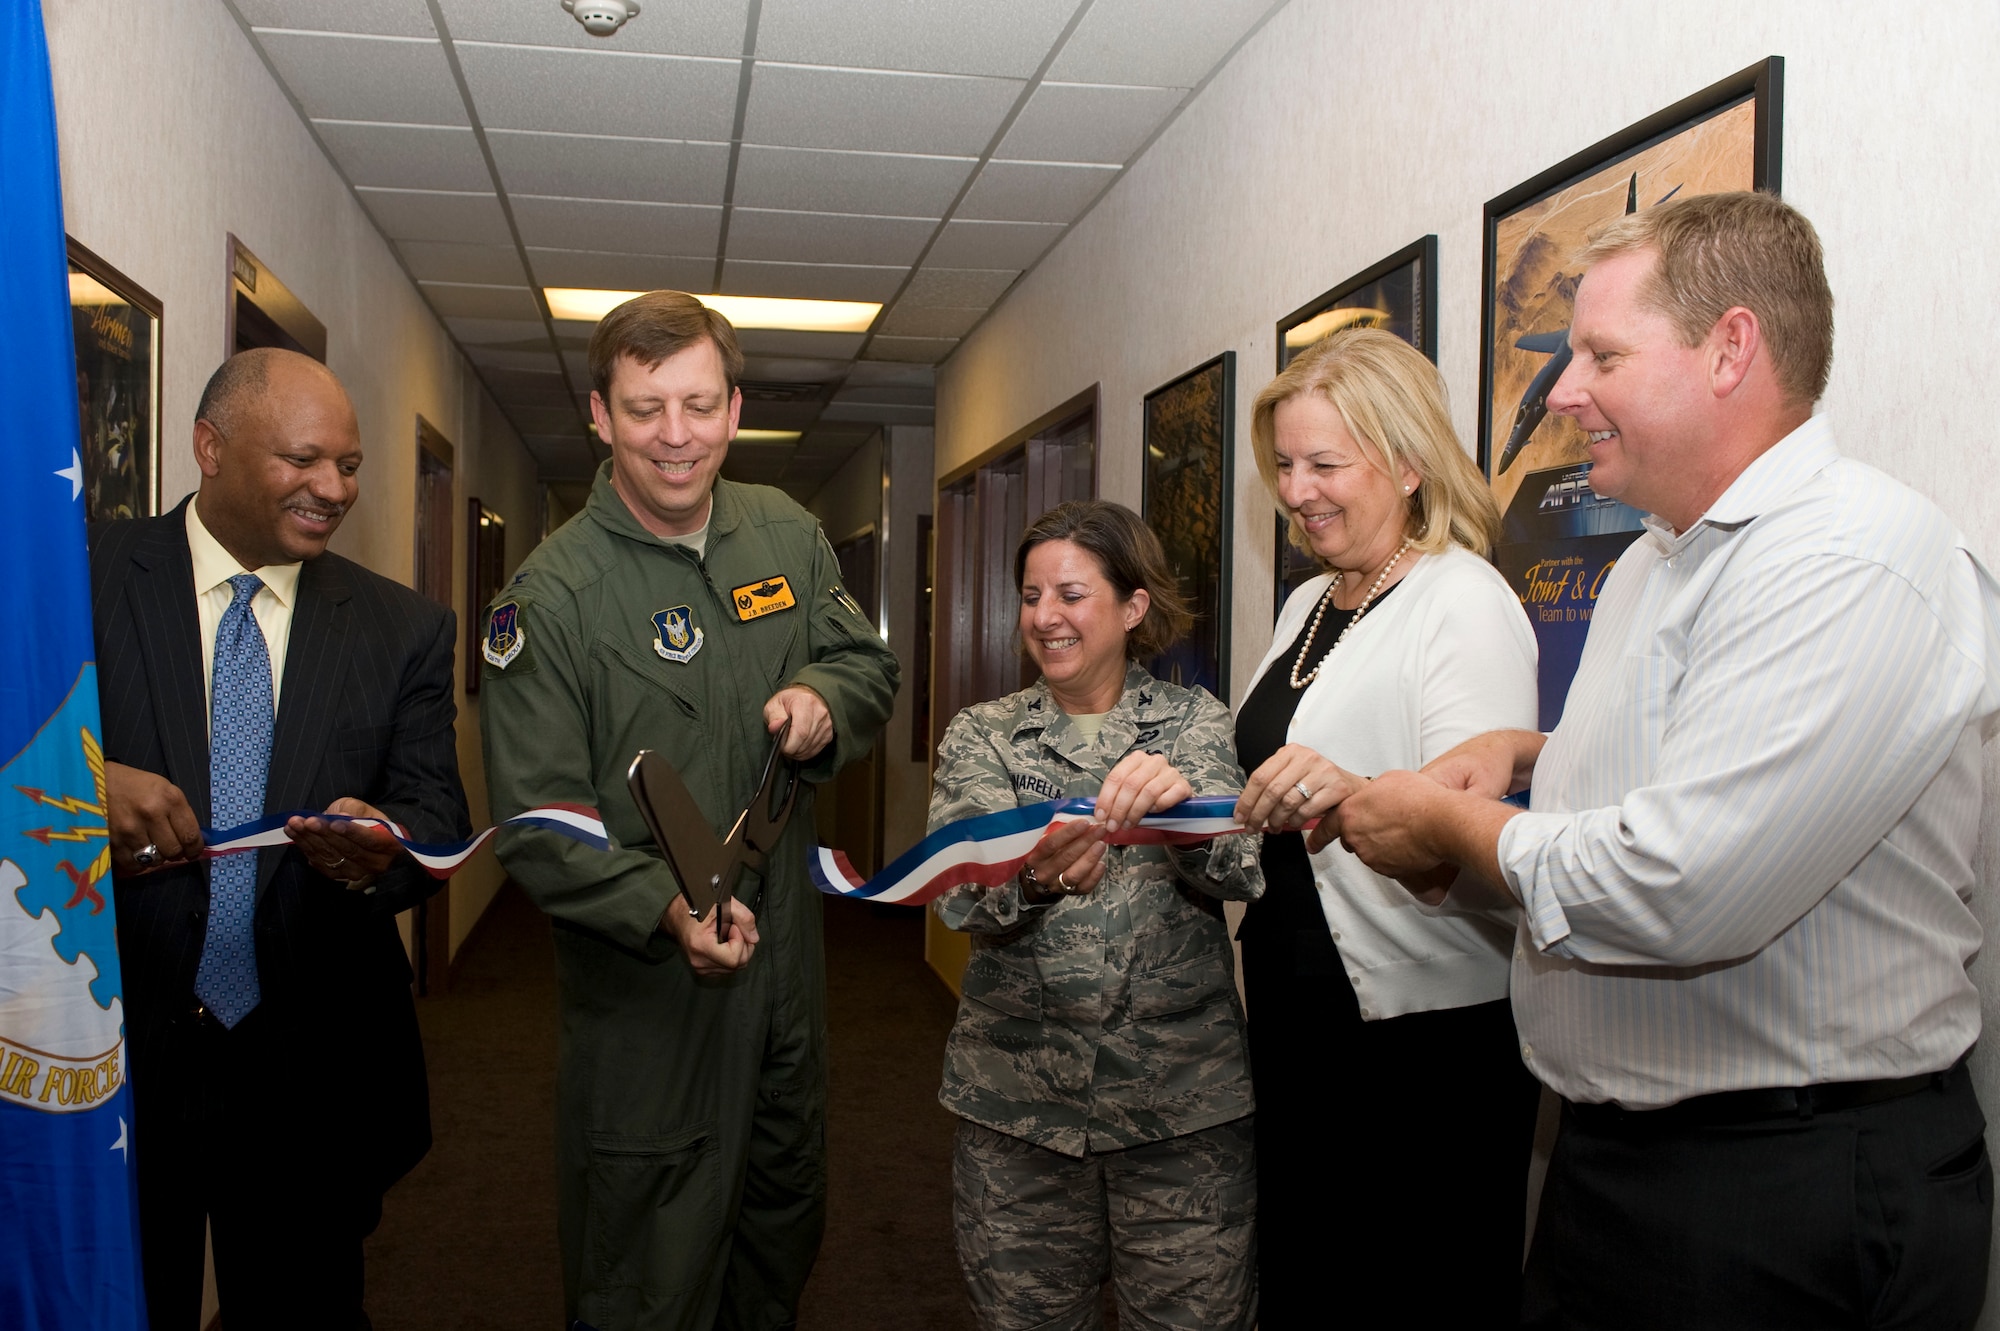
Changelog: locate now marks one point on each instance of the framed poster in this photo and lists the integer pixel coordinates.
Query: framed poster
(1558, 538)
(1188, 424)
(116, 326)
(1399, 295)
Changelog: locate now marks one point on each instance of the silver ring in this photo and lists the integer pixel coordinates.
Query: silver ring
(1064, 885)
(148, 856)
(1300, 786)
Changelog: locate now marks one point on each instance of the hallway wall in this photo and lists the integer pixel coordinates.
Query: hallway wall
(173, 135)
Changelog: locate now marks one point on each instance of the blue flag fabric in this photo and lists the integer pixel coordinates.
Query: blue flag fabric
(69, 1252)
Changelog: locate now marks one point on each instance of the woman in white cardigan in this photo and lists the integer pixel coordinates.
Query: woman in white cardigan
(1394, 1115)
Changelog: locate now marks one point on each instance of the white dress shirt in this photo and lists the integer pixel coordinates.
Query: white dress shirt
(1446, 656)
(272, 607)
(1750, 851)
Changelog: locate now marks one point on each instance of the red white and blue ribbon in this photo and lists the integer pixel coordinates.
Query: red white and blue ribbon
(991, 848)
(439, 861)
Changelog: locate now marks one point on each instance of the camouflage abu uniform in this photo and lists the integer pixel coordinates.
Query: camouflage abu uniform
(1099, 1044)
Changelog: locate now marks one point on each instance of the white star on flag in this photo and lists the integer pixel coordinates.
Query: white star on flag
(119, 1145)
(74, 474)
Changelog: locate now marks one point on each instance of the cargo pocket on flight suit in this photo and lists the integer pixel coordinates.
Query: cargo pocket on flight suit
(652, 1221)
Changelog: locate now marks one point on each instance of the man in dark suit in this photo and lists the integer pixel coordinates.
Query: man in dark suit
(275, 1059)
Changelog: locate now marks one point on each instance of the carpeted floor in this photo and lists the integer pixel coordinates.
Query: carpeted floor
(467, 1241)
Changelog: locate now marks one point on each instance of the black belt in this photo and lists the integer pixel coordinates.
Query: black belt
(1725, 1107)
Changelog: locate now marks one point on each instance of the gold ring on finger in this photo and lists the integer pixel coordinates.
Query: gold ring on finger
(1064, 884)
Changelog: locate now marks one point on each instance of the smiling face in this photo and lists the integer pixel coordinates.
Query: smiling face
(275, 487)
(1074, 627)
(1354, 512)
(669, 430)
(1637, 390)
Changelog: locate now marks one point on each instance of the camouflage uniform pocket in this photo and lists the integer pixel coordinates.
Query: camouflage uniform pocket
(1003, 984)
(1181, 987)
(652, 1221)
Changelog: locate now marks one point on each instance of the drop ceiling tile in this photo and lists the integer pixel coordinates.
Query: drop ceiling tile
(601, 92)
(956, 37)
(868, 374)
(406, 156)
(963, 287)
(537, 370)
(779, 415)
(678, 229)
(561, 457)
(802, 106)
(579, 368)
(1034, 191)
(405, 214)
(466, 300)
(448, 261)
(546, 421)
(793, 369)
(881, 413)
(756, 233)
(927, 350)
(673, 27)
(595, 167)
(911, 395)
(993, 244)
(1183, 40)
(930, 321)
(391, 18)
(810, 281)
(607, 271)
(821, 181)
(507, 334)
(1069, 122)
(814, 346)
(366, 78)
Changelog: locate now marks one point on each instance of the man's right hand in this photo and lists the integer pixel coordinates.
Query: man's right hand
(697, 937)
(1495, 764)
(145, 809)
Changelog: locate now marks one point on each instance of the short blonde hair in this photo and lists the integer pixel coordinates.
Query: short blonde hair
(1392, 400)
(1747, 248)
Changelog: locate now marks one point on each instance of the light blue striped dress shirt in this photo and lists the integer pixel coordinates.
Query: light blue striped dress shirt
(1751, 841)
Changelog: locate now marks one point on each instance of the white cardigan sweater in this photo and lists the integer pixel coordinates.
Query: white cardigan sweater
(1448, 655)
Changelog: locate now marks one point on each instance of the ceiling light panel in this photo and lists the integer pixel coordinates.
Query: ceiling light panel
(814, 281)
(946, 36)
(594, 167)
(391, 18)
(682, 230)
(821, 181)
(1067, 122)
(766, 437)
(745, 312)
(801, 106)
(406, 156)
(828, 237)
(601, 91)
(366, 78)
(1034, 191)
(670, 27)
(1183, 39)
(993, 244)
(430, 215)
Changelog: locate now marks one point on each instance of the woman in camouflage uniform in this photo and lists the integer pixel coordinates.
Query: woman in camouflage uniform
(1098, 1061)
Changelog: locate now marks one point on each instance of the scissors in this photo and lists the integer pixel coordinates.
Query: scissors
(708, 868)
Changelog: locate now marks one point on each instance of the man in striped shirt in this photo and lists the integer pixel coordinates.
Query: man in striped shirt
(1745, 875)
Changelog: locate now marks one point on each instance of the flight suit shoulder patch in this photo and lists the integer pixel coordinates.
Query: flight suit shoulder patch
(504, 645)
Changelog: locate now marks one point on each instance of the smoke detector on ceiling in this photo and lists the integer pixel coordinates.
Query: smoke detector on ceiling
(601, 18)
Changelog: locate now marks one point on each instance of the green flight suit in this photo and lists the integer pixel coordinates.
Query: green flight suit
(690, 1113)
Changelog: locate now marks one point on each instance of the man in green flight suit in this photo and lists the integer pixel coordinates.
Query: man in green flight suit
(695, 617)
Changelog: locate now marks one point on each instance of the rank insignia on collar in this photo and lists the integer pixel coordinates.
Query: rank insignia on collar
(504, 634)
(675, 634)
(754, 600)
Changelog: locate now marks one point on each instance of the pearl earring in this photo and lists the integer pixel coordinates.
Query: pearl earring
(1406, 489)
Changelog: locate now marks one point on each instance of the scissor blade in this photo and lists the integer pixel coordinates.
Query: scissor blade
(680, 829)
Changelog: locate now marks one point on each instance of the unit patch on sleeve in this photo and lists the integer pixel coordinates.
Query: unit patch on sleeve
(754, 600)
(504, 635)
(675, 635)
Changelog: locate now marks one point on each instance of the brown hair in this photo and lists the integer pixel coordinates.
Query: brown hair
(651, 327)
(1391, 398)
(1743, 248)
(1131, 557)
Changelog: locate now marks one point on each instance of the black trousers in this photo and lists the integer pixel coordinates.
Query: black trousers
(1875, 1217)
(220, 1140)
(1392, 1156)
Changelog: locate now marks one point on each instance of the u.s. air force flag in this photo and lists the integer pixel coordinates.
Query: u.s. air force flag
(69, 1253)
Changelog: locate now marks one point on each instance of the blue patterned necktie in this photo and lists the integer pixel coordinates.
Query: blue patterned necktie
(239, 751)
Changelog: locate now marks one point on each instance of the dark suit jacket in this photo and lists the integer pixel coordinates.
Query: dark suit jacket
(365, 710)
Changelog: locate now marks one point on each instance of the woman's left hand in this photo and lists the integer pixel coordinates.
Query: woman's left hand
(1294, 786)
(1139, 784)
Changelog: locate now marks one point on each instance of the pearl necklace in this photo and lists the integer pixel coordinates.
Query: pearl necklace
(1359, 610)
